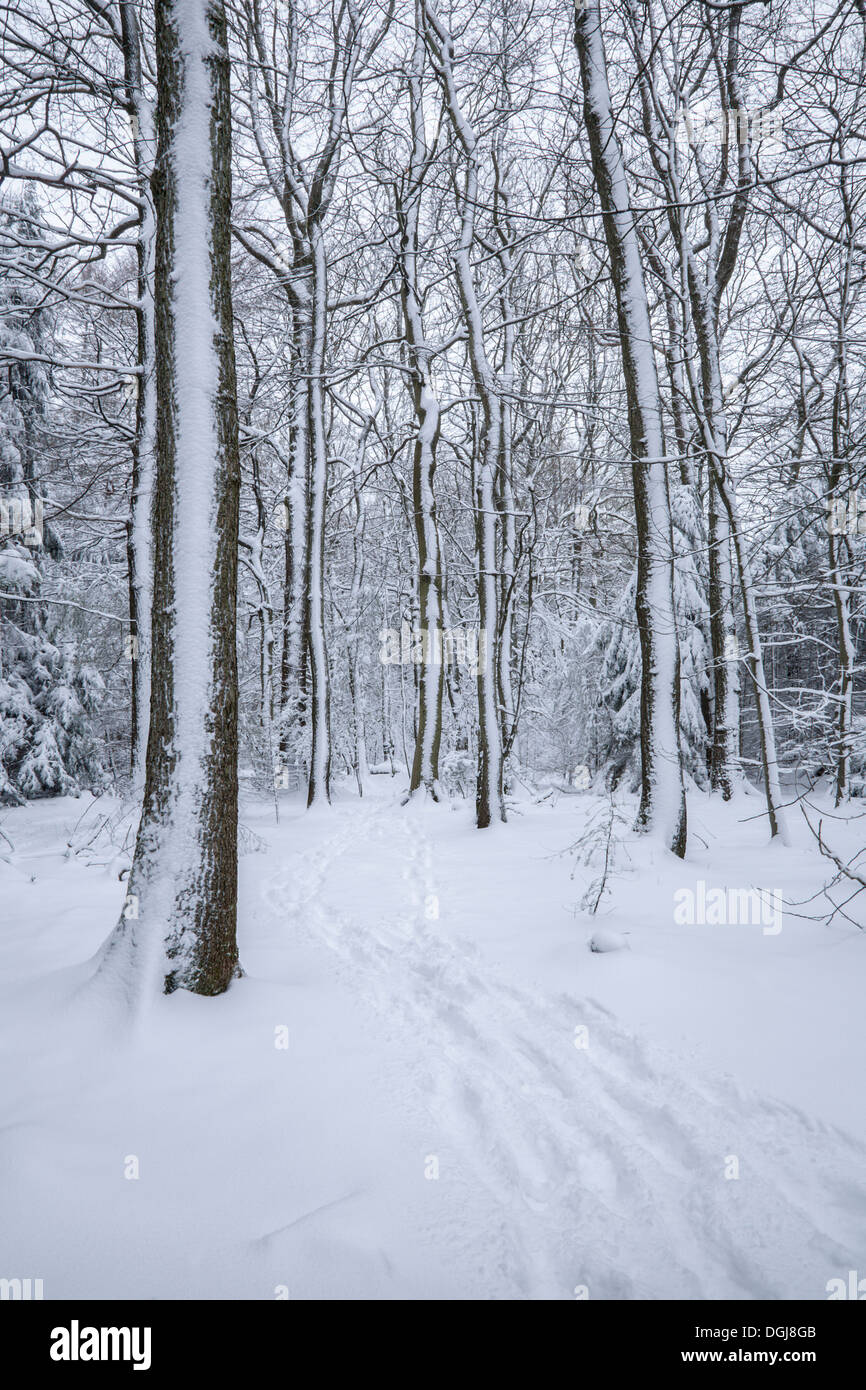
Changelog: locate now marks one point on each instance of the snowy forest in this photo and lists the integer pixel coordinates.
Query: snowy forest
(433, 617)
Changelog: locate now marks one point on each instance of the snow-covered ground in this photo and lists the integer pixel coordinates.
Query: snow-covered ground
(427, 1085)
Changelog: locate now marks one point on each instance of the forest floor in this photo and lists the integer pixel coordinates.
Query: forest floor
(427, 1085)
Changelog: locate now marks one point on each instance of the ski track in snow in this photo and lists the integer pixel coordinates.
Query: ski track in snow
(606, 1164)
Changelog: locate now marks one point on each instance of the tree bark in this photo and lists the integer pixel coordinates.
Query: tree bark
(139, 531)
(183, 883)
(489, 800)
(663, 803)
(425, 763)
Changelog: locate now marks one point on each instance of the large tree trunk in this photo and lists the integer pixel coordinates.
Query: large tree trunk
(181, 931)
(663, 802)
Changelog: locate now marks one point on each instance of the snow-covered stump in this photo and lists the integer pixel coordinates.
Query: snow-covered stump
(178, 928)
(663, 803)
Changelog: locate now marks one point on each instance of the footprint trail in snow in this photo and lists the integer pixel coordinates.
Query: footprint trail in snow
(602, 1161)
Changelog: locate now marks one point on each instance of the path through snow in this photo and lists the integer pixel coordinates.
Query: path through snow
(605, 1160)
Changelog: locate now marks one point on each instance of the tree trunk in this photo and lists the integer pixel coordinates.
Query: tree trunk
(320, 754)
(139, 531)
(724, 753)
(755, 665)
(663, 802)
(489, 801)
(425, 762)
(294, 665)
(183, 883)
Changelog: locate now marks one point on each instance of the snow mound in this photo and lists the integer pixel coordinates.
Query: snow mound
(604, 940)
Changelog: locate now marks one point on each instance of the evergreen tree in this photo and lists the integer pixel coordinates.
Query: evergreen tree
(46, 744)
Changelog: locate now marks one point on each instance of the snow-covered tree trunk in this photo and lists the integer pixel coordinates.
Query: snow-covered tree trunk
(663, 803)
(181, 931)
(755, 665)
(425, 763)
(725, 532)
(355, 616)
(139, 541)
(251, 552)
(847, 657)
(674, 360)
(843, 446)
(294, 666)
(836, 544)
(504, 646)
(489, 801)
(701, 290)
(302, 183)
(725, 750)
(319, 787)
(725, 522)
(703, 285)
